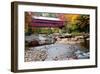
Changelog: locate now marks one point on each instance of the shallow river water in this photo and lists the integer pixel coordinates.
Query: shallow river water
(56, 52)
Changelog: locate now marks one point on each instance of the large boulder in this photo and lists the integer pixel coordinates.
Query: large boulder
(33, 43)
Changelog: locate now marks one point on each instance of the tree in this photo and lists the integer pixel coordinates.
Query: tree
(28, 20)
(83, 22)
(73, 27)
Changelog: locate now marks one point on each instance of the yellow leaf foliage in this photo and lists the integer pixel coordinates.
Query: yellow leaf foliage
(71, 17)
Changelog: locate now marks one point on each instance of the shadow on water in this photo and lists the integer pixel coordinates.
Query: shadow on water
(86, 45)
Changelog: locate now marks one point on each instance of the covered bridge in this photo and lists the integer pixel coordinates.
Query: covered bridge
(46, 22)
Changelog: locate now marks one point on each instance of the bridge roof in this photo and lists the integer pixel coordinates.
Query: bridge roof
(46, 18)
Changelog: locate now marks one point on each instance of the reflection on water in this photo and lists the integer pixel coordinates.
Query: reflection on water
(86, 45)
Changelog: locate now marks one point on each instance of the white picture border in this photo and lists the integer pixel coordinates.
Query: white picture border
(53, 64)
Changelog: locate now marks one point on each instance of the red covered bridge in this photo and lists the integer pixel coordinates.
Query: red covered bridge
(46, 22)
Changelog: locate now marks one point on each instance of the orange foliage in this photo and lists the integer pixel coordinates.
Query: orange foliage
(70, 17)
